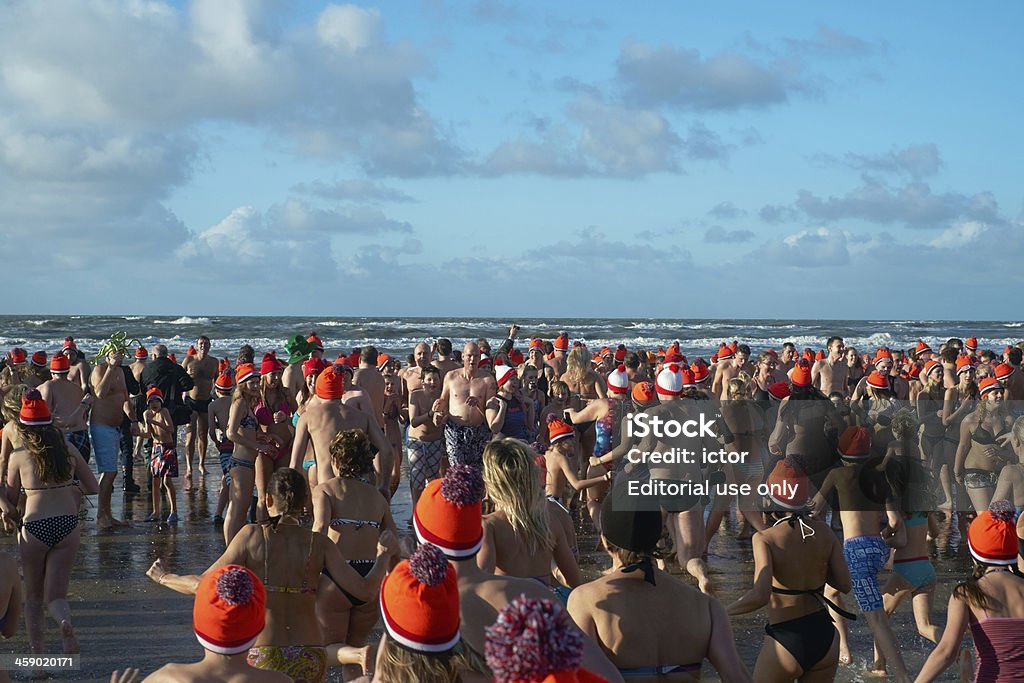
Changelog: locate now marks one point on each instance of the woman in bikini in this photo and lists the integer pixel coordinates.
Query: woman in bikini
(526, 532)
(653, 627)
(353, 514)
(745, 421)
(765, 375)
(585, 386)
(294, 563)
(55, 477)
(1011, 479)
(274, 414)
(244, 432)
(856, 370)
(959, 402)
(990, 603)
(983, 448)
(794, 559)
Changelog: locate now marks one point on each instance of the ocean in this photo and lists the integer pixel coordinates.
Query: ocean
(398, 336)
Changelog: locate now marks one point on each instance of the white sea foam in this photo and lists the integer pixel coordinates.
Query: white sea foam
(184, 320)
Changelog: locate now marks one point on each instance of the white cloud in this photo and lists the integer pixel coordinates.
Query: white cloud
(348, 27)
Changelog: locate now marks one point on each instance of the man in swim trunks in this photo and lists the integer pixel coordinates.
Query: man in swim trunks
(69, 406)
(202, 368)
(413, 376)
(324, 418)
(830, 375)
(464, 398)
(788, 358)
(426, 432)
(108, 412)
(560, 355)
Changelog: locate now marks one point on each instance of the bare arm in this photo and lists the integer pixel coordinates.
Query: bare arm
(321, 510)
(349, 580)
(497, 408)
(565, 559)
(948, 649)
(300, 444)
(594, 410)
(487, 558)
(570, 475)
(10, 604)
(83, 473)
(963, 446)
(387, 456)
(722, 649)
(759, 595)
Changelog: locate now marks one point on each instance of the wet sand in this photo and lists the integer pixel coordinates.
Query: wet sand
(123, 619)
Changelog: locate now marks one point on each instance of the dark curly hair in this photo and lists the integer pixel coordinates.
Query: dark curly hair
(289, 490)
(351, 453)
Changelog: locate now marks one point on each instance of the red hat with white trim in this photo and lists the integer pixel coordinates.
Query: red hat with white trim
(154, 394)
(725, 352)
(245, 371)
(536, 343)
(878, 381)
(922, 347)
(419, 602)
(448, 512)
(315, 341)
(141, 352)
(779, 390)
(313, 366)
(18, 356)
(971, 344)
(855, 443)
(60, 364)
(503, 373)
(673, 356)
(229, 613)
(882, 355)
(686, 376)
(620, 353)
(225, 383)
(988, 385)
(34, 411)
(618, 380)
(383, 359)
(515, 358)
(788, 484)
(1003, 371)
(558, 430)
(929, 367)
(562, 342)
(700, 371)
(670, 381)
(39, 359)
(964, 364)
(992, 536)
(270, 364)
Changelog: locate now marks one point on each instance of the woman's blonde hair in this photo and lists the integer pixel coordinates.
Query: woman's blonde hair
(400, 664)
(738, 387)
(513, 484)
(12, 402)
(577, 365)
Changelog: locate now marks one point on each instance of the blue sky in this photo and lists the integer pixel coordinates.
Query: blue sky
(508, 159)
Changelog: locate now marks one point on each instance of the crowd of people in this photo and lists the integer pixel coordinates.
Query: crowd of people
(850, 462)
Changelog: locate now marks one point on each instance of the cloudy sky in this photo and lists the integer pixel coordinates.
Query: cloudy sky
(511, 159)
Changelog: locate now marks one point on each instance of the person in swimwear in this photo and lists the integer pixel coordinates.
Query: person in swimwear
(227, 618)
(217, 419)
(653, 627)
(585, 386)
(521, 538)
(202, 368)
(426, 432)
(157, 425)
(295, 563)
(352, 514)
(561, 464)
(990, 602)
(983, 448)
(419, 602)
(464, 397)
(794, 558)
(1011, 478)
(55, 477)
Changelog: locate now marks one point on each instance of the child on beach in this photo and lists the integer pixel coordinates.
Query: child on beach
(157, 425)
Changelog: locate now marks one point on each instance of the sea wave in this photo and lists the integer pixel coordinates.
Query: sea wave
(184, 320)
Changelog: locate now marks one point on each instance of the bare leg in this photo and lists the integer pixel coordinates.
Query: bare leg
(690, 546)
(922, 604)
(104, 517)
(203, 429)
(264, 470)
(172, 495)
(241, 496)
(885, 639)
(845, 657)
(190, 448)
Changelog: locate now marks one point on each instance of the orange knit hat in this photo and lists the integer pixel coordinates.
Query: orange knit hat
(855, 443)
(700, 371)
(964, 364)
(419, 602)
(229, 610)
(558, 430)
(60, 364)
(788, 484)
(992, 536)
(922, 347)
(644, 392)
(141, 352)
(244, 371)
(154, 393)
(39, 359)
(225, 383)
(330, 383)
(929, 366)
(724, 352)
(878, 381)
(448, 513)
(971, 344)
(801, 374)
(1003, 371)
(989, 384)
(562, 342)
(315, 341)
(34, 411)
(532, 641)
